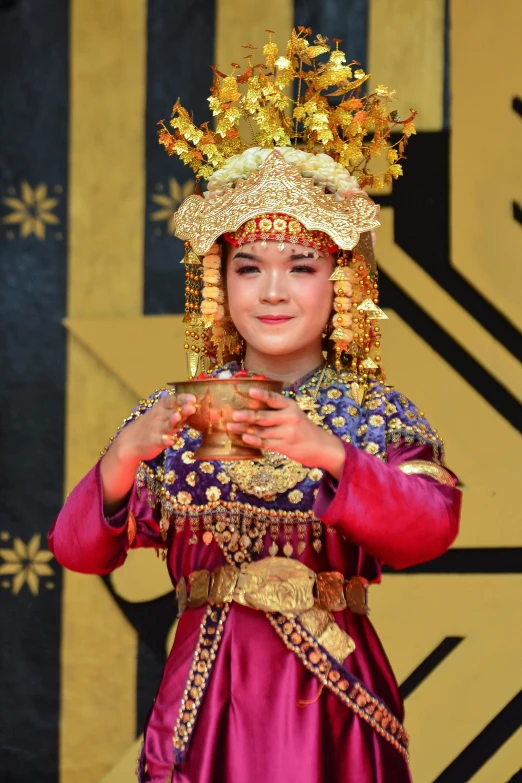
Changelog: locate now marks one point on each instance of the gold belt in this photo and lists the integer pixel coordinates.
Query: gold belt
(276, 584)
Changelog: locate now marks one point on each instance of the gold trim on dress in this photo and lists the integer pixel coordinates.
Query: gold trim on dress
(426, 468)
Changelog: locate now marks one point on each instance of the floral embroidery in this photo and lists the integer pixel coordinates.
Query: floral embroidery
(213, 493)
(184, 498)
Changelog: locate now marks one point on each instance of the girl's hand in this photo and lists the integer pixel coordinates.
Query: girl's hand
(155, 430)
(143, 439)
(286, 429)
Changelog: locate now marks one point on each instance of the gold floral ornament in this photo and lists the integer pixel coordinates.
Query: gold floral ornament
(26, 563)
(352, 131)
(32, 211)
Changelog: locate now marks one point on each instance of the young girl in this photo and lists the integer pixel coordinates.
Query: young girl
(276, 672)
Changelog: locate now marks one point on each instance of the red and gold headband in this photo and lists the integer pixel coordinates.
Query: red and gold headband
(274, 226)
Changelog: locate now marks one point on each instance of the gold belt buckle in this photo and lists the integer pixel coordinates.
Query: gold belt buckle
(274, 584)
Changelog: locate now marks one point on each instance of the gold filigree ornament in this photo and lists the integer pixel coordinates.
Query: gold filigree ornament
(276, 187)
(266, 478)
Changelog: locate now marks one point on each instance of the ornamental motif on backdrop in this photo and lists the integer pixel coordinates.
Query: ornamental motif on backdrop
(31, 210)
(167, 203)
(24, 564)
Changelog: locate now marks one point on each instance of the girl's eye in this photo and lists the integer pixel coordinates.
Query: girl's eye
(303, 269)
(247, 270)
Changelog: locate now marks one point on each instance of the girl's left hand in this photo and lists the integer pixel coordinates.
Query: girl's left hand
(286, 429)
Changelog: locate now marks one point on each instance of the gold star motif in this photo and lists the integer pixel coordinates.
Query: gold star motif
(32, 211)
(26, 563)
(169, 204)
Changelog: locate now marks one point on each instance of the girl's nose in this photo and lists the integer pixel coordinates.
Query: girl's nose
(274, 289)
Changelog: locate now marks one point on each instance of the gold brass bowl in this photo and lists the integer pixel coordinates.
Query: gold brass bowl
(216, 399)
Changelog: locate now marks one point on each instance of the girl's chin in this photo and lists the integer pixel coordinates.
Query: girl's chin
(276, 347)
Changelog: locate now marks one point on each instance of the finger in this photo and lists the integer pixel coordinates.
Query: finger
(263, 432)
(267, 444)
(188, 409)
(272, 399)
(264, 417)
(167, 439)
(184, 399)
(168, 402)
(269, 433)
(174, 421)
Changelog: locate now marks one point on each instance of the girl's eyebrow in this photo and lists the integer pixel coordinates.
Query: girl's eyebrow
(249, 256)
(298, 256)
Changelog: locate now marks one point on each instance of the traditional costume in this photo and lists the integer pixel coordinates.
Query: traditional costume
(276, 672)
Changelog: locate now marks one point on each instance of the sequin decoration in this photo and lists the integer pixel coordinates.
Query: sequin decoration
(210, 633)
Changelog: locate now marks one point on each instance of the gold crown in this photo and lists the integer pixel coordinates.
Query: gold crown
(276, 187)
(353, 130)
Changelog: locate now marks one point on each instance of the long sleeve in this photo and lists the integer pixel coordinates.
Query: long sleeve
(400, 519)
(83, 539)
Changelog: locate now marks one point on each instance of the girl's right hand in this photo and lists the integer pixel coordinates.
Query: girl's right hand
(157, 429)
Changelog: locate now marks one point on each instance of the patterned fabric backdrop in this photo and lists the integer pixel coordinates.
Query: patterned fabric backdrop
(91, 293)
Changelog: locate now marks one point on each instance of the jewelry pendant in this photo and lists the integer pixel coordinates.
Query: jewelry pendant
(207, 537)
(288, 549)
(273, 549)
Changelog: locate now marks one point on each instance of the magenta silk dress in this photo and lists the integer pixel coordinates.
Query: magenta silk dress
(264, 717)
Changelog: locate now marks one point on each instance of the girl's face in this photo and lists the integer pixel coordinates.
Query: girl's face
(279, 301)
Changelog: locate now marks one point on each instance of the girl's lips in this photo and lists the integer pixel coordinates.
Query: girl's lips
(274, 319)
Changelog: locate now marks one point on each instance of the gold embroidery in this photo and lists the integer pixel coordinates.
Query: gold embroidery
(424, 467)
(295, 496)
(372, 448)
(191, 478)
(213, 493)
(390, 409)
(373, 404)
(376, 420)
(222, 477)
(170, 477)
(338, 421)
(206, 467)
(184, 498)
(326, 409)
(192, 433)
(188, 457)
(334, 394)
(315, 474)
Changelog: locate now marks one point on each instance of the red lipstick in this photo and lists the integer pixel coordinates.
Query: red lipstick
(274, 319)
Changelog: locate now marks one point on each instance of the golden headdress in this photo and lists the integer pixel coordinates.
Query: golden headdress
(302, 174)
